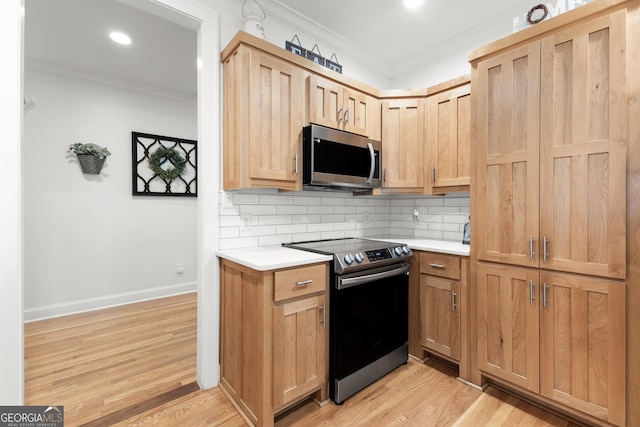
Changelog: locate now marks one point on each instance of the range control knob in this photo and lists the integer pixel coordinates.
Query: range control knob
(398, 251)
(348, 259)
(405, 249)
(359, 257)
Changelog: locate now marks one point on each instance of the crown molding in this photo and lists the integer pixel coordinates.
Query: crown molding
(57, 69)
(302, 25)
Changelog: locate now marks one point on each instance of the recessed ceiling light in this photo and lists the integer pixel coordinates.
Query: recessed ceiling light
(412, 4)
(120, 38)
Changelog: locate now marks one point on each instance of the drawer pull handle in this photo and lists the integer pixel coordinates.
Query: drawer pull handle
(323, 319)
(438, 266)
(304, 282)
(453, 301)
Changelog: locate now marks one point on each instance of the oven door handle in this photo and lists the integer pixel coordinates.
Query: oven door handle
(355, 281)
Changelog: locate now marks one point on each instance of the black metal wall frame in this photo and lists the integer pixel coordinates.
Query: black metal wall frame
(142, 176)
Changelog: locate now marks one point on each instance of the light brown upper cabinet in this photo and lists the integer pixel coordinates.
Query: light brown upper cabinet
(552, 147)
(403, 145)
(449, 137)
(583, 148)
(263, 120)
(508, 96)
(336, 106)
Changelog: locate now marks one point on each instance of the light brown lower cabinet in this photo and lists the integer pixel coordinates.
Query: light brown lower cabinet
(440, 320)
(274, 332)
(561, 336)
(443, 308)
(299, 354)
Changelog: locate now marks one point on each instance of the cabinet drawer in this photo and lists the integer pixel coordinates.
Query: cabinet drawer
(301, 281)
(441, 265)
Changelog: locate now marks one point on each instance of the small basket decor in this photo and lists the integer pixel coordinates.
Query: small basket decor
(90, 164)
(90, 156)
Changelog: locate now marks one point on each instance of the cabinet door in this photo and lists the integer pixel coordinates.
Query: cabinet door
(276, 118)
(448, 137)
(582, 342)
(356, 112)
(583, 148)
(508, 93)
(508, 322)
(324, 102)
(440, 315)
(403, 144)
(299, 348)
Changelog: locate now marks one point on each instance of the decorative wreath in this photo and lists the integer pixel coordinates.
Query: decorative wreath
(541, 7)
(162, 155)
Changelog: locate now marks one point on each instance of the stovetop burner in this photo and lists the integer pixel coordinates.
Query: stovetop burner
(352, 254)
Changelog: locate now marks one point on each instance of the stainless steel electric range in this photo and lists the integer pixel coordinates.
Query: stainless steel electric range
(368, 311)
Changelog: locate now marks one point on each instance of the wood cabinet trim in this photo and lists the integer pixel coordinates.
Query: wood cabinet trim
(449, 84)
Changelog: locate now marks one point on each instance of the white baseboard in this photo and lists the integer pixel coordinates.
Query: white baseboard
(73, 307)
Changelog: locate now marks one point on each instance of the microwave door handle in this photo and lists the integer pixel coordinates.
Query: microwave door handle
(373, 162)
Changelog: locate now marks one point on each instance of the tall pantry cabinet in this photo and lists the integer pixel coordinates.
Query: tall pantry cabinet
(549, 206)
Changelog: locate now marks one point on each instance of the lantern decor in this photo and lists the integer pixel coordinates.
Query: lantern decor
(253, 16)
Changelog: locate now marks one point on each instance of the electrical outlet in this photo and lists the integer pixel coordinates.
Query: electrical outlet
(416, 215)
(226, 200)
(180, 268)
(367, 219)
(246, 222)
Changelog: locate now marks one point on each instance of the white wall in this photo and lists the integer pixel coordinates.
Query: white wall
(11, 356)
(266, 217)
(88, 242)
(280, 25)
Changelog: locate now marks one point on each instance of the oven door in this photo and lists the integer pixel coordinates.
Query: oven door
(369, 327)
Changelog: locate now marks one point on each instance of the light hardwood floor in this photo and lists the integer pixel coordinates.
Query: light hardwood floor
(134, 365)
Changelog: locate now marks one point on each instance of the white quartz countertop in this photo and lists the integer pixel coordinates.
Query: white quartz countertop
(265, 258)
(453, 248)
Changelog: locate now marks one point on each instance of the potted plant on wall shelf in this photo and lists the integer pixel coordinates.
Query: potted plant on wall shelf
(90, 156)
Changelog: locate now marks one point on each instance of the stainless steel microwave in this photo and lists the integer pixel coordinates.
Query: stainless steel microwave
(335, 159)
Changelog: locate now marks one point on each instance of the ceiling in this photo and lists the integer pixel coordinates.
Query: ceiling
(393, 35)
(72, 34)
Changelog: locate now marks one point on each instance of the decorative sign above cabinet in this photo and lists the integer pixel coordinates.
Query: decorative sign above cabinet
(312, 55)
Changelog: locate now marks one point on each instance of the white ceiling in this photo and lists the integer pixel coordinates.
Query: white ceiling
(395, 36)
(72, 34)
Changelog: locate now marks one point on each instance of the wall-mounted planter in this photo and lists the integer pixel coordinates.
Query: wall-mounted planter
(90, 164)
(90, 156)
